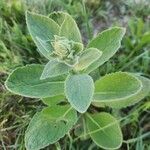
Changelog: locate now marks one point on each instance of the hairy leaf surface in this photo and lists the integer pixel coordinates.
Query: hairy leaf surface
(108, 42)
(116, 88)
(54, 68)
(26, 81)
(126, 101)
(87, 58)
(69, 29)
(42, 30)
(79, 91)
(105, 130)
(49, 126)
(51, 101)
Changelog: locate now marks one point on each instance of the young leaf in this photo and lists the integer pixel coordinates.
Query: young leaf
(43, 28)
(108, 42)
(69, 29)
(58, 17)
(79, 91)
(51, 101)
(78, 47)
(49, 126)
(105, 130)
(54, 68)
(44, 47)
(145, 38)
(127, 101)
(87, 58)
(115, 88)
(26, 81)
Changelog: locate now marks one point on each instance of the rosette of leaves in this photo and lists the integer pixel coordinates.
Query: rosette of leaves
(66, 78)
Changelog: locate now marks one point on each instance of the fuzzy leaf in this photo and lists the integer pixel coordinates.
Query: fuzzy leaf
(113, 89)
(87, 58)
(108, 42)
(51, 101)
(42, 30)
(79, 91)
(130, 100)
(54, 68)
(44, 47)
(49, 126)
(26, 81)
(105, 130)
(78, 47)
(70, 30)
(58, 17)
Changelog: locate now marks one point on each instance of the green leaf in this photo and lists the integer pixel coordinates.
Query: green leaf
(54, 68)
(78, 47)
(114, 89)
(145, 38)
(108, 42)
(79, 91)
(104, 130)
(51, 101)
(128, 101)
(61, 19)
(70, 30)
(44, 47)
(58, 17)
(26, 81)
(43, 28)
(49, 126)
(87, 58)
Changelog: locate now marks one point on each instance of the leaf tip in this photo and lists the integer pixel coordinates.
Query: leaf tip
(42, 77)
(27, 13)
(123, 30)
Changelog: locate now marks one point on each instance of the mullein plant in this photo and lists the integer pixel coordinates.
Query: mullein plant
(66, 78)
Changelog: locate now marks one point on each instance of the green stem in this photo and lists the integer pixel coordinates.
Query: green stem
(58, 147)
(87, 21)
(138, 138)
(71, 141)
(131, 62)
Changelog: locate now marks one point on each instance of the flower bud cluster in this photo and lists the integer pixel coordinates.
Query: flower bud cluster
(66, 50)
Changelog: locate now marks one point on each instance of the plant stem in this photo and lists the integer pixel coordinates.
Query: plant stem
(89, 32)
(138, 138)
(70, 139)
(131, 62)
(58, 147)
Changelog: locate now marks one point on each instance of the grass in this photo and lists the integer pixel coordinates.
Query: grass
(18, 49)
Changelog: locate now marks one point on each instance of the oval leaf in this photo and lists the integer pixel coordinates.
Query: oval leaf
(104, 130)
(87, 58)
(26, 81)
(131, 100)
(49, 126)
(70, 30)
(79, 91)
(115, 88)
(54, 68)
(108, 42)
(43, 28)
